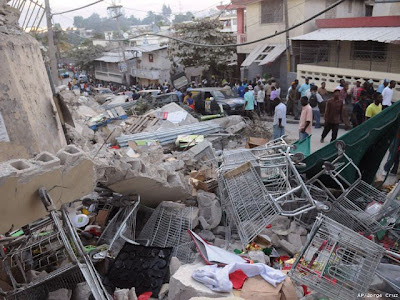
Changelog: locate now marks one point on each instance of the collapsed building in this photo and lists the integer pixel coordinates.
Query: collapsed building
(101, 202)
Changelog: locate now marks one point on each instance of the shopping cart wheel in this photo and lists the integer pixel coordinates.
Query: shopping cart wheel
(297, 157)
(293, 147)
(340, 145)
(328, 166)
(45, 197)
(325, 206)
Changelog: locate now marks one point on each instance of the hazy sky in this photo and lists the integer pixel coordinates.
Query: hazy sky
(138, 8)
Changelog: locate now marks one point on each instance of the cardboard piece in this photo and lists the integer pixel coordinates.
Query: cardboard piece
(253, 142)
(263, 241)
(256, 288)
(204, 180)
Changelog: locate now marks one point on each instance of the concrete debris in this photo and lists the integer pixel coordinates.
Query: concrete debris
(174, 265)
(207, 235)
(60, 294)
(183, 287)
(210, 211)
(125, 294)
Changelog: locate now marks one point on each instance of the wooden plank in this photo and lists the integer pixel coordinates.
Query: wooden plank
(243, 168)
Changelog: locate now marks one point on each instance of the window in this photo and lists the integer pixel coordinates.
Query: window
(369, 51)
(271, 11)
(234, 22)
(368, 10)
(151, 58)
(264, 53)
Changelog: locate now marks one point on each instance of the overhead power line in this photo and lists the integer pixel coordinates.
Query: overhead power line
(247, 43)
(71, 10)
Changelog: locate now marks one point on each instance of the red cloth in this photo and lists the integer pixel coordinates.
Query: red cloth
(145, 296)
(237, 278)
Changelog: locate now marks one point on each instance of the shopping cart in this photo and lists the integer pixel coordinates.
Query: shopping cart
(50, 245)
(245, 201)
(284, 184)
(357, 205)
(336, 261)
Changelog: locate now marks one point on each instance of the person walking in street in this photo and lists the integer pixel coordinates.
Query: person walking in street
(304, 87)
(359, 109)
(260, 100)
(374, 108)
(279, 119)
(333, 116)
(314, 99)
(387, 94)
(343, 95)
(382, 86)
(354, 91)
(305, 124)
(291, 99)
(241, 90)
(268, 90)
(249, 102)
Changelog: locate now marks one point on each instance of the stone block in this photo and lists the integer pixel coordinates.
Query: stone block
(209, 209)
(46, 160)
(291, 249)
(69, 155)
(295, 240)
(220, 230)
(207, 235)
(22, 166)
(219, 242)
(174, 265)
(183, 287)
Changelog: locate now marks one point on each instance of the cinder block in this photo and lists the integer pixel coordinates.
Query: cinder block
(21, 166)
(47, 160)
(6, 170)
(70, 154)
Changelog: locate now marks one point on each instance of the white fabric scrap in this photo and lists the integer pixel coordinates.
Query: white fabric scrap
(217, 279)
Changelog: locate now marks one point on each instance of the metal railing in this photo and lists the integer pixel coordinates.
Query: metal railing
(32, 13)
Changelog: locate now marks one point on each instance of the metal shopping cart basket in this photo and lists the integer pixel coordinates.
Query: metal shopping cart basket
(245, 201)
(50, 245)
(336, 261)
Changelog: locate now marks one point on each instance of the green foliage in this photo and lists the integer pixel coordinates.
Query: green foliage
(205, 31)
(183, 18)
(86, 54)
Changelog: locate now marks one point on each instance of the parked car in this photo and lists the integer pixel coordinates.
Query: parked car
(83, 78)
(230, 104)
(164, 99)
(62, 73)
(101, 95)
(149, 94)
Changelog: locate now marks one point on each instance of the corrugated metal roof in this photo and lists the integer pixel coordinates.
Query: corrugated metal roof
(114, 57)
(264, 54)
(378, 34)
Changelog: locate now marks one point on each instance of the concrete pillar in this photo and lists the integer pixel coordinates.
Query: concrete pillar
(240, 20)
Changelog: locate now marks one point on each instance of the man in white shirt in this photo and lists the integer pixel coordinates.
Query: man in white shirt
(260, 99)
(279, 119)
(387, 94)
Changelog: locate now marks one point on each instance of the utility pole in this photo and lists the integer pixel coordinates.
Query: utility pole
(116, 13)
(288, 50)
(51, 48)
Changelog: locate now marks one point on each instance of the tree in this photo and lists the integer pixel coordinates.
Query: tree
(183, 18)
(166, 10)
(78, 21)
(86, 54)
(205, 31)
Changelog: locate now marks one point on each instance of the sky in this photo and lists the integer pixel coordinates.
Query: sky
(138, 8)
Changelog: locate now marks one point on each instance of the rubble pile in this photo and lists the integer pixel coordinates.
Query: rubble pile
(195, 216)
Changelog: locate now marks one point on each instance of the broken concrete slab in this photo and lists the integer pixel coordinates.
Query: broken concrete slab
(291, 249)
(207, 235)
(183, 287)
(20, 190)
